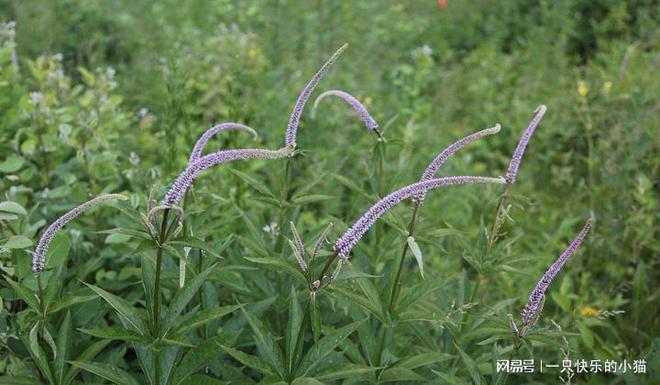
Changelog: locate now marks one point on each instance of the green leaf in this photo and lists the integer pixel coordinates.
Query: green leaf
(306, 381)
(324, 347)
(18, 242)
(352, 371)
(58, 250)
(201, 318)
(423, 359)
(417, 253)
(398, 374)
(68, 301)
(63, 346)
(262, 188)
(127, 312)
(203, 380)
(39, 356)
(115, 334)
(265, 342)
(19, 380)
(196, 359)
(186, 293)
(13, 163)
(311, 198)
(196, 244)
(361, 301)
(12, 207)
(249, 360)
(148, 270)
(293, 328)
(86, 355)
(279, 264)
(470, 366)
(109, 372)
(26, 295)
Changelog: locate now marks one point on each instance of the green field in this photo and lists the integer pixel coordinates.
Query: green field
(109, 97)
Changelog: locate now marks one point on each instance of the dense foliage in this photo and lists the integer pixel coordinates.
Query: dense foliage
(101, 97)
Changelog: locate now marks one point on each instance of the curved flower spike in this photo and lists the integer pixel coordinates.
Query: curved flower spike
(294, 120)
(514, 164)
(449, 151)
(185, 179)
(361, 110)
(344, 244)
(533, 308)
(39, 257)
(208, 134)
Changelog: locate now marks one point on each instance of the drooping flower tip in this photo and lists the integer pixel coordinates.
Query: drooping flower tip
(533, 309)
(346, 242)
(442, 157)
(296, 113)
(196, 152)
(361, 110)
(39, 256)
(178, 189)
(514, 164)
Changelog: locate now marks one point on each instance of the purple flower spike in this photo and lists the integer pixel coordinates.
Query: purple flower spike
(533, 308)
(294, 120)
(185, 179)
(201, 142)
(39, 257)
(361, 110)
(522, 144)
(449, 151)
(347, 241)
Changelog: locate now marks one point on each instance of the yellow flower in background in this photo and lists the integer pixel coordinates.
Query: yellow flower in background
(252, 52)
(367, 101)
(588, 311)
(583, 90)
(607, 86)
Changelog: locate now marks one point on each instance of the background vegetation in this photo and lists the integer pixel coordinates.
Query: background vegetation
(109, 96)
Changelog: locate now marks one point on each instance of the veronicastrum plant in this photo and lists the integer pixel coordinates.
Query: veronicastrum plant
(173, 327)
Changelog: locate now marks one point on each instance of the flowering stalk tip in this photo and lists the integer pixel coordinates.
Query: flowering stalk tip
(186, 178)
(294, 120)
(514, 164)
(440, 160)
(347, 241)
(39, 257)
(532, 310)
(196, 152)
(361, 110)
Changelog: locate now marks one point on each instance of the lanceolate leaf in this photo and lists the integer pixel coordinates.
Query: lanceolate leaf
(126, 311)
(324, 347)
(109, 372)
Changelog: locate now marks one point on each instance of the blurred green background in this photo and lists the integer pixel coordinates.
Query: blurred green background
(103, 96)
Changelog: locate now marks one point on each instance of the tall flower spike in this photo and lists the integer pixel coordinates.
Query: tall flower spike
(294, 120)
(514, 164)
(439, 160)
(533, 308)
(298, 247)
(185, 179)
(39, 257)
(347, 241)
(361, 110)
(208, 134)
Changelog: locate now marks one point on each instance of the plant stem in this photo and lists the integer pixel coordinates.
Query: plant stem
(156, 299)
(495, 228)
(284, 197)
(397, 279)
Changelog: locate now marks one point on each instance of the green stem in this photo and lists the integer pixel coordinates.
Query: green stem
(284, 197)
(9, 227)
(156, 300)
(397, 279)
(495, 227)
(299, 341)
